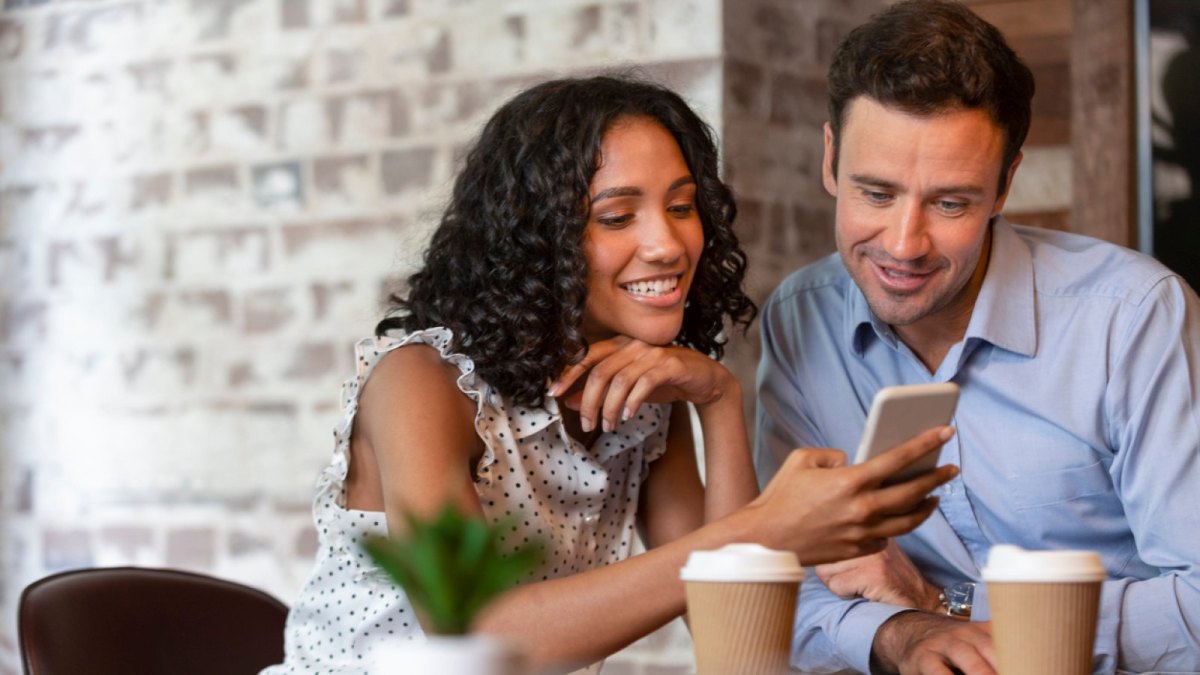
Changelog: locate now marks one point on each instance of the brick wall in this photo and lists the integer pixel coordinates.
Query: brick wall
(202, 202)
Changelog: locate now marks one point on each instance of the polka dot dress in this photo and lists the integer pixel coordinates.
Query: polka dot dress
(580, 501)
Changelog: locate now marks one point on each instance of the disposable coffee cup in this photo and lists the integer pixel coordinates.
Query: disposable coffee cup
(741, 600)
(1044, 607)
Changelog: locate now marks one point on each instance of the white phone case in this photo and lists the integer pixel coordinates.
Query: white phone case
(900, 412)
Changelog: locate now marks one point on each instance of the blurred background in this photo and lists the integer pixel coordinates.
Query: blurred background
(202, 203)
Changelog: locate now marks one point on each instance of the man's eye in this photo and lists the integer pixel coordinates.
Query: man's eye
(951, 207)
(877, 197)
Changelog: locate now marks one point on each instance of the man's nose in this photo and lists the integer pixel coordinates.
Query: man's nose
(907, 238)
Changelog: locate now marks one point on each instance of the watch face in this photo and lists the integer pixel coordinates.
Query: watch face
(958, 598)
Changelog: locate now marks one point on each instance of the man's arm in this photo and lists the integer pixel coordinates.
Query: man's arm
(1153, 413)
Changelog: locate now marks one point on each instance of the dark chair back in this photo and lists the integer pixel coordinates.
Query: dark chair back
(147, 621)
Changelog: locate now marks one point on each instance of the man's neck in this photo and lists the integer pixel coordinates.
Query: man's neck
(931, 344)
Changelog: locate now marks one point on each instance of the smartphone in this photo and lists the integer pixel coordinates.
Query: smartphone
(900, 412)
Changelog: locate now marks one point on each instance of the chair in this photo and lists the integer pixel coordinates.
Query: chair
(131, 620)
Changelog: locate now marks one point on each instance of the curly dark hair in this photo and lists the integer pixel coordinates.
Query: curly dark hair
(505, 269)
(928, 56)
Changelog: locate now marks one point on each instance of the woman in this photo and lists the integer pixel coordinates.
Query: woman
(578, 285)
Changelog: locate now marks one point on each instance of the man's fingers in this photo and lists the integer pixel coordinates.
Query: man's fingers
(930, 663)
(827, 571)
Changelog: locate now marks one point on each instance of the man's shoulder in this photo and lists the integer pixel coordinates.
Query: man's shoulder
(1070, 264)
(827, 273)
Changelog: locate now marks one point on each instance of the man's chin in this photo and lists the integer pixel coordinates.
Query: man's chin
(902, 313)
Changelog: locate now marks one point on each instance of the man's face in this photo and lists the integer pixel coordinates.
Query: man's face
(914, 198)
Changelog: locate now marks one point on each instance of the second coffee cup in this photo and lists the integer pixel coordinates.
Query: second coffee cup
(1044, 606)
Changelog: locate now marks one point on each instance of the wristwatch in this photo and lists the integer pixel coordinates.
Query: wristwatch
(956, 599)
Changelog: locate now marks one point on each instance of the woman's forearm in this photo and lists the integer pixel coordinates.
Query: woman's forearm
(730, 482)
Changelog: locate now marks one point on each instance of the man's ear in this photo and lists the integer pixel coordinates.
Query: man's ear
(828, 179)
(1012, 171)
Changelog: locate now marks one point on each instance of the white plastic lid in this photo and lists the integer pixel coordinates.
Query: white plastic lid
(742, 562)
(1007, 563)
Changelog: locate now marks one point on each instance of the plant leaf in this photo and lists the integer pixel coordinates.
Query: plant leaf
(451, 566)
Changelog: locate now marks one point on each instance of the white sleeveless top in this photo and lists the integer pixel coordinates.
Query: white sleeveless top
(581, 501)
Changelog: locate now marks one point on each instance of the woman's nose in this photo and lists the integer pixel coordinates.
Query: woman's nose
(661, 241)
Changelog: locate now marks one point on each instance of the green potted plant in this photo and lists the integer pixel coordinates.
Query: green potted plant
(451, 567)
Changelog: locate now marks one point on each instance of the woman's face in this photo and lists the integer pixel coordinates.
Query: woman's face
(643, 237)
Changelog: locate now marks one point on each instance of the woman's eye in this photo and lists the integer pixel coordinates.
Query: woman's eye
(681, 210)
(615, 220)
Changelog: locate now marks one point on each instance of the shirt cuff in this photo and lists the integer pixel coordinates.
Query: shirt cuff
(856, 631)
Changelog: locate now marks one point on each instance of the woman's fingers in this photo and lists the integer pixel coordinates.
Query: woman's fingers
(619, 375)
(903, 497)
(598, 382)
(816, 458)
(885, 465)
(596, 353)
(894, 526)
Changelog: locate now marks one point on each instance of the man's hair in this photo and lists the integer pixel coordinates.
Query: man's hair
(506, 270)
(931, 56)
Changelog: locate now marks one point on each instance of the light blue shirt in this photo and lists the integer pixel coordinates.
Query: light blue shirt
(1078, 427)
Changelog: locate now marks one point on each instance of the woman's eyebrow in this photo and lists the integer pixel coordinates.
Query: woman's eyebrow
(617, 192)
(631, 191)
(680, 182)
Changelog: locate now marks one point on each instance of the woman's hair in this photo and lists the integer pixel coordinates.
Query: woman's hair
(505, 269)
(927, 57)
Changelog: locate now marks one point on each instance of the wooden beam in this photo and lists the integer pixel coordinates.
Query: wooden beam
(1102, 121)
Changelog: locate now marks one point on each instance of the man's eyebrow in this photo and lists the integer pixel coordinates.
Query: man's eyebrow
(874, 181)
(961, 189)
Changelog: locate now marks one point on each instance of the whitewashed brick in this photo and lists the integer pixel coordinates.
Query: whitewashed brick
(303, 125)
(201, 207)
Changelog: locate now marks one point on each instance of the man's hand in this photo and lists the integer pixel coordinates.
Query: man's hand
(888, 576)
(918, 643)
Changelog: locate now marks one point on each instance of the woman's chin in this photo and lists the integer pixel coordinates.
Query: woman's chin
(655, 335)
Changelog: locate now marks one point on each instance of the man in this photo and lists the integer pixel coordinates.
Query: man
(1079, 363)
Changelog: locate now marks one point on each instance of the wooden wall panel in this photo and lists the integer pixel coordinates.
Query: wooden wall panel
(1102, 119)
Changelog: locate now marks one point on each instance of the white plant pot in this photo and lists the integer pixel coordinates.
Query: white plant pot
(449, 655)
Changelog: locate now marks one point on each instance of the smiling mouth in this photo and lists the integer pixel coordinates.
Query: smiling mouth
(902, 275)
(653, 288)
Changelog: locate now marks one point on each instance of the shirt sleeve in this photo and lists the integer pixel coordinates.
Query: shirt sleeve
(834, 633)
(782, 422)
(1153, 413)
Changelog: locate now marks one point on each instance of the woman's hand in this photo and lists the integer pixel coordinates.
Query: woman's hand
(824, 510)
(623, 373)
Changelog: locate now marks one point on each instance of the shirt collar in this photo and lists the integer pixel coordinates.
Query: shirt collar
(1004, 313)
